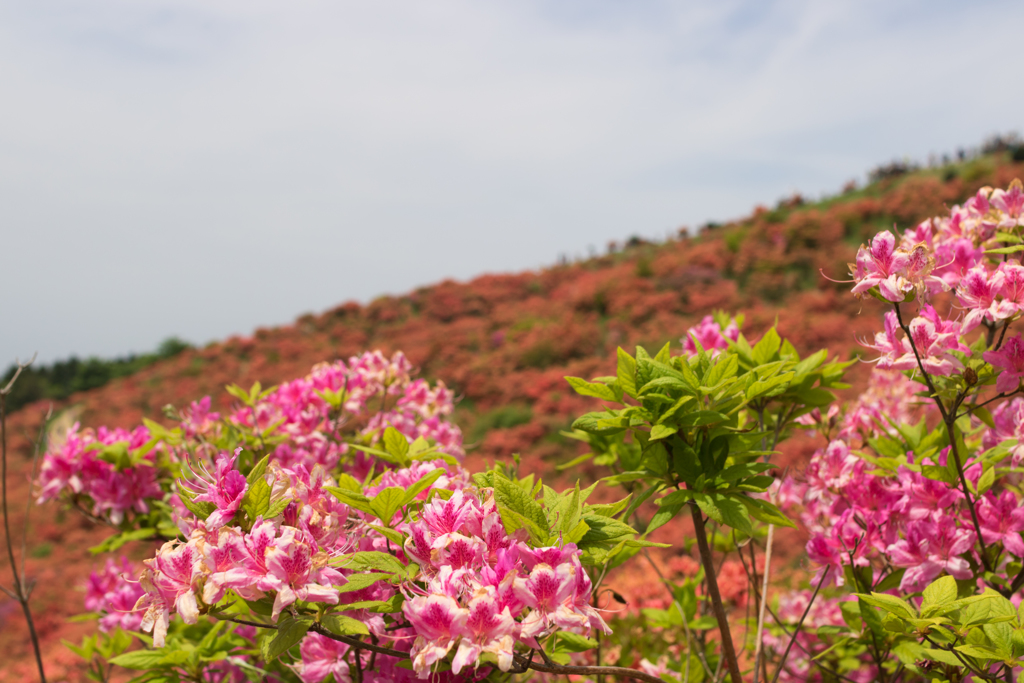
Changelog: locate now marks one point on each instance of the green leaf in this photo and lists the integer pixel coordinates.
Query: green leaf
(257, 471)
(765, 512)
(289, 632)
(725, 509)
(940, 592)
(1006, 250)
(592, 424)
(374, 559)
(890, 603)
(357, 582)
(662, 432)
(987, 479)
(340, 625)
(513, 501)
(257, 498)
(276, 508)
(386, 503)
(626, 372)
(767, 347)
(396, 443)
(422, 485)
(140, 659)
(202, 510)
(571, 642)
(596, 390)
(724, 369)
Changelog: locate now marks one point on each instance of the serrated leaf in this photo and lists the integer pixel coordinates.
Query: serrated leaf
(626, 372)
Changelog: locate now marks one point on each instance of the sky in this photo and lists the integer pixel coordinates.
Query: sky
(199, 168)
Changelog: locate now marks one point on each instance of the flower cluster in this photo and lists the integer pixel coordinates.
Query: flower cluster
(299, 414)
(481, 580)
(916, 523)
(92, 467)
(112, 593)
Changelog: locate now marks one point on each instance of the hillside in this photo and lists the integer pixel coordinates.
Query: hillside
(505, 342)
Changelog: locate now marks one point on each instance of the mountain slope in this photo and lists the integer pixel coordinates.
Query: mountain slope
(505, 342)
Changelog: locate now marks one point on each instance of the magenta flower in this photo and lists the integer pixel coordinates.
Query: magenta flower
(711, 336)
(111, 593)
(487, 628)
(225, 489)
(1011, 359)
(931, 548)
(1002, 519)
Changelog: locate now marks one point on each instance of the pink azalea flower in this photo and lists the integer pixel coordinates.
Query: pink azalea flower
(321, 657)
(170, 580)
(931, 548)
(1002, 519)
(225, 489)
(1012, 290)
(978, 291)
(114, 595)
(888, 343)
(882, 265)
(934, 339)
(487, 628)
(1011, 359)
(297, 572)
(711, 336)
(549, 592)
(1011, 203)
(438, 620)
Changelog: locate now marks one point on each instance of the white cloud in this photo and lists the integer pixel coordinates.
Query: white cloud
(201, 168)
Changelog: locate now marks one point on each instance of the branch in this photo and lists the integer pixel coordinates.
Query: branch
(796, 631)
(524, 662)
(21, 590)
(728, 649)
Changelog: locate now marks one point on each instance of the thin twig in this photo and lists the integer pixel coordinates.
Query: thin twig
(21, 590)
(796, 632)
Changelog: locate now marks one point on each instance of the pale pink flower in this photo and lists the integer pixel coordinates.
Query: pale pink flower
(297, 572)
(437, 620)
(487, 627)
(170, 580)
(1011, 203)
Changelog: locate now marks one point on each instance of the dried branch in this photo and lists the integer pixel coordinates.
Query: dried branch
(22, 589)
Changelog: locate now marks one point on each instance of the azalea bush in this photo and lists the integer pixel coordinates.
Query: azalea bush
(327, 527)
